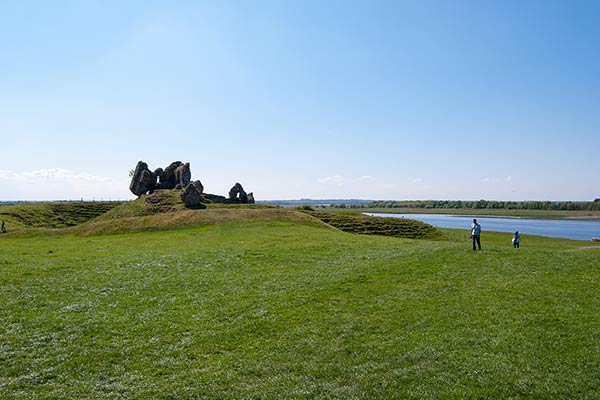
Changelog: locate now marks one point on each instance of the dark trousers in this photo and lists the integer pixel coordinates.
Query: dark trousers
(476, 239)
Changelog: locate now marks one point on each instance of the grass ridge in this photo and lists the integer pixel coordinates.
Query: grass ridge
(54, 214)
(367, 225)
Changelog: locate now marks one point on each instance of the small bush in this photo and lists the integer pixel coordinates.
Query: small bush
(304, 208)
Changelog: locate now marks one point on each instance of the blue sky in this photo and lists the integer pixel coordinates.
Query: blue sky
(303, 99)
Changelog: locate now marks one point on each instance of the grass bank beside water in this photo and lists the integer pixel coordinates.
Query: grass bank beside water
(276, 307)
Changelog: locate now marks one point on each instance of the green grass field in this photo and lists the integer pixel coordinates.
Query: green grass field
(246, 303)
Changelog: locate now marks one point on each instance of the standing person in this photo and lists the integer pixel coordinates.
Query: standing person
(3, 226)
(475, 234)
(516, 240)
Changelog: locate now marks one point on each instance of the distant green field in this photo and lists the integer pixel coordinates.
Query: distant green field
(270, 304)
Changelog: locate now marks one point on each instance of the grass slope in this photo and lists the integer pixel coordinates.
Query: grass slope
(53, 215)
(277, 309)
(364, 224)
(164, 210)
(107, 224)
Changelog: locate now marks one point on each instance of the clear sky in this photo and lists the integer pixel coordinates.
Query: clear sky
(496, 100)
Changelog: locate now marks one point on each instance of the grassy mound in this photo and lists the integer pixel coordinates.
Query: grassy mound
(366, 225)
(164, 201)
(161, 201)
(108, 224)
(160, 210)
(164, 210)
(53, 215)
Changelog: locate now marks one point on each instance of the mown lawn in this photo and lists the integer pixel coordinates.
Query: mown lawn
(270, 310)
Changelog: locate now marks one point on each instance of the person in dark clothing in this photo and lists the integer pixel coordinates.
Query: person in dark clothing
(3, 226)
(516, 240)
(476, 234)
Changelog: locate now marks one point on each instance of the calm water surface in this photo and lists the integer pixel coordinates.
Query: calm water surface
(567, 229)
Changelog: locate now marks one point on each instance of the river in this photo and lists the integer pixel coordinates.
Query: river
(567, 229)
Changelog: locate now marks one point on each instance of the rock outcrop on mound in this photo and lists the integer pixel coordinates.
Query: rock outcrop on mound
(143, 180)
(237, 194)
(192, 197)
(179, 176)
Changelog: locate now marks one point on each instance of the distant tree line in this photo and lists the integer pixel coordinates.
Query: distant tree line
(490, 204)
(321, 203)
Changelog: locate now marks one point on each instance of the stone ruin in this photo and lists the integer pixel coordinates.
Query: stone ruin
(179, 176)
